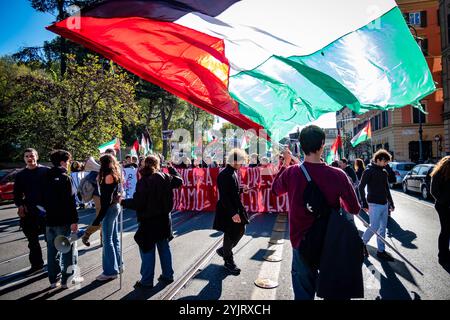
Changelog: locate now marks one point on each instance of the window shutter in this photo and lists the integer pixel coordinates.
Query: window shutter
(423, 19)
(425, 47)
(448, 27)
(406, 16)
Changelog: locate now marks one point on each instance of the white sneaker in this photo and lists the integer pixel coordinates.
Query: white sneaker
(76, 280)
(103, 277)
(55, 285)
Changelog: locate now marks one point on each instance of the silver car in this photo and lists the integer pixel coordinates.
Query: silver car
(400, 169)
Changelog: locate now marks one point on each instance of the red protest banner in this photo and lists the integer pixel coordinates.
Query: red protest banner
(199, 190)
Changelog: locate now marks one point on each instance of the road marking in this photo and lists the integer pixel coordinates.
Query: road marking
(413, 199)
(269, 270)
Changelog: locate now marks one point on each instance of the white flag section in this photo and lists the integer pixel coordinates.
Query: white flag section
(130, 175)
(76, 179)
(256, 30)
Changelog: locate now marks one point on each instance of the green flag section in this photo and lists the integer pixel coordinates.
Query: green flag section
(135, 148)
(245, 142)
(113, 144)
(209, 137)
(364, 135)
(379, 66)
(330, 157)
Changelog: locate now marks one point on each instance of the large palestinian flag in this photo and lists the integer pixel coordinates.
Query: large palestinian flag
(259, 63)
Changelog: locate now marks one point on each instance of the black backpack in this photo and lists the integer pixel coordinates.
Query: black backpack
(316, 204)
(313, 198)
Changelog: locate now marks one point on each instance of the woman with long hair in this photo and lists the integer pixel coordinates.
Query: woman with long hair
(109, 179)
(359, 168)
(153, 202)
(440, 189)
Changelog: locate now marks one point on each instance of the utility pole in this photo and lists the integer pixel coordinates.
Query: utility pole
(420, 111)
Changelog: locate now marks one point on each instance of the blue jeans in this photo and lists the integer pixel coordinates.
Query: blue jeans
(56, 265)
(303, 278)
(378, 216)
(111, 246)
(148, 262)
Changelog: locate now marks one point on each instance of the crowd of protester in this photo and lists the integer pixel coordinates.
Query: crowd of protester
(48, 198)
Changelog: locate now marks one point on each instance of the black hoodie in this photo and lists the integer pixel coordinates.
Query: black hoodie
(376, 179)
(59, 199)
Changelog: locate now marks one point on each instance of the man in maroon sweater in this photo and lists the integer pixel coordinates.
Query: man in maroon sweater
(334, 184)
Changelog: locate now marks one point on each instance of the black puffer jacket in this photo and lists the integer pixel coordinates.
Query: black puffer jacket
(376, 180)
(59, 200)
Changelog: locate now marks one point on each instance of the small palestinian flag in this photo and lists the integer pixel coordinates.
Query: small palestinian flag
(364, 135)
(113, 144)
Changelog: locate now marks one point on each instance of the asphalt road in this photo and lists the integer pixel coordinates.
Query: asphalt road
(413, 230)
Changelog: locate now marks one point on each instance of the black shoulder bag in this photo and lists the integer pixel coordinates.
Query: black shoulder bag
(316, 204)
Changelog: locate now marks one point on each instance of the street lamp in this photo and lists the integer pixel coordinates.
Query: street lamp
(420, 138)
(420, 112)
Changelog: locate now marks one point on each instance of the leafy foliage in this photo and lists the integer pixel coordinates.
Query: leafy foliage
(86, 108)
(59, 95)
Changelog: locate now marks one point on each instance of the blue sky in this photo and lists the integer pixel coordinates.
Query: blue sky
(21, 25)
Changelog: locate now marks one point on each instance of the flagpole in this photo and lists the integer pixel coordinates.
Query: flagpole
(201, 158)
(284, 146)
(382, 239)
(121, 248)
(120, 150)
(371, 141)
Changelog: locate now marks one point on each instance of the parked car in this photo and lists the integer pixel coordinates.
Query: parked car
(418, 180)
(7, 177)
(400, 169)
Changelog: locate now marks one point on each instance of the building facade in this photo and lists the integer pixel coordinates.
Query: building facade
(444, 10)
(330, 137)
(398, 130)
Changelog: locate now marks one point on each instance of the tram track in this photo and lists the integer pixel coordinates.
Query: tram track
(197, 266)
(5, 283)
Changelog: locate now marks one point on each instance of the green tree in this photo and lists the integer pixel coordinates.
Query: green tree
(154, 108)
(89, 106)
(228, 126)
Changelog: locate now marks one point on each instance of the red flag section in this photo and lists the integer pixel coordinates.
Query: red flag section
(136, 146)
(336, 148)
(185, 62)
(117, 144)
